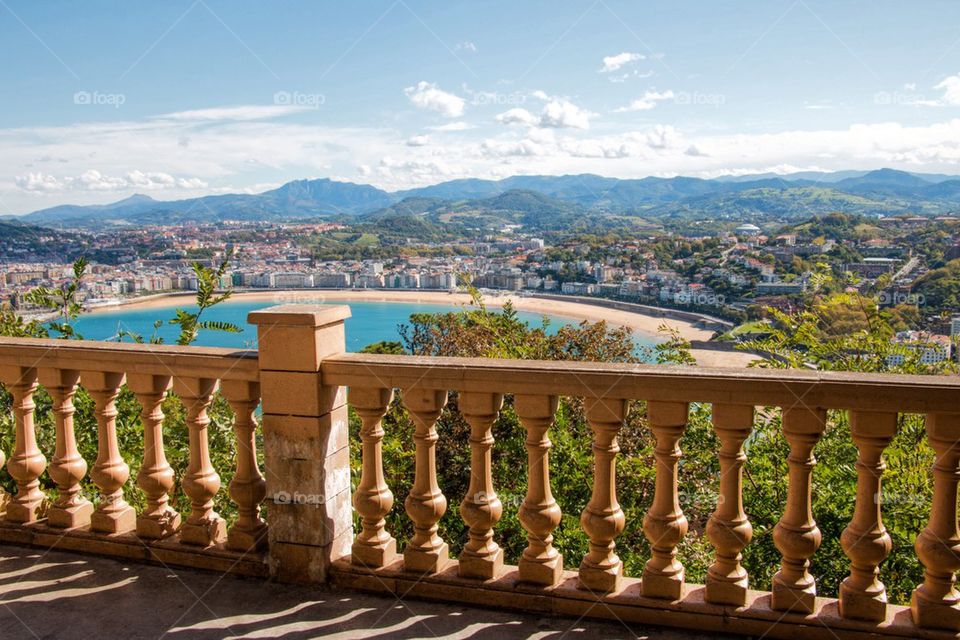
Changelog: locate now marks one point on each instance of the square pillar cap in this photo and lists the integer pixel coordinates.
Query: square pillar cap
(300, 315)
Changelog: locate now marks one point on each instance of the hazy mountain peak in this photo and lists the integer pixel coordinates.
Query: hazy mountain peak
(879, 191)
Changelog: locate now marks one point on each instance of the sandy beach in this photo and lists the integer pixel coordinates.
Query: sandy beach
(637, 322)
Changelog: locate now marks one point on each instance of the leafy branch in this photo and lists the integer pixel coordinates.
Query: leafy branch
(63, 301)
(191, 323)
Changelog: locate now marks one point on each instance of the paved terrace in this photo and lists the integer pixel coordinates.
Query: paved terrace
(64, 595)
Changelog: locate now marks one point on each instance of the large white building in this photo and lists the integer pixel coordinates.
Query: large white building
(932, 348)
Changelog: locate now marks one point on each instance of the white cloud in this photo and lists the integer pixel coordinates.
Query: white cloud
(647, 101)
(658, 141)
(564, 114)
(517, 115)
(420, 170)
(93, 180)
(633, 73)
(257, 187)
(508, 148)
(950, 86)
(426, 95)
(558, 113)
(39, 182)
(663, 137)
(951, 90)
(613, 63)
(418, 141)
(467, 46)
(241, 113)
(453, 126)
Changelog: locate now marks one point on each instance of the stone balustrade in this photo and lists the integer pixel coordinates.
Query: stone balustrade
(303, 381)
(104, 522)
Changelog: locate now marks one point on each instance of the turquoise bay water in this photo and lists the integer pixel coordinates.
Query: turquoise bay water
(371, 322)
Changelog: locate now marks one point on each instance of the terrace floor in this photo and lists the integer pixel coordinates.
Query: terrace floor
(51, 594)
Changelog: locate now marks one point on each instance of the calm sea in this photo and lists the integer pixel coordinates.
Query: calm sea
(371, 322)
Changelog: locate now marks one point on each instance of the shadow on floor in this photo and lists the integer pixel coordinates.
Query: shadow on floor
(63, 595)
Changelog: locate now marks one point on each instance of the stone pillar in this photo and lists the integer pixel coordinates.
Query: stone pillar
(665, 525)
(728, 528)
(110, 473)
(796, 536)
(540, 514)
(865, 540)
(481, 508)
(201, 482)
(306, 454)
(935, 604)
(68, 468)
(26, 462)
(248, 487)
(374, 546)
(426, 551)
(156, 478)
(603, 520)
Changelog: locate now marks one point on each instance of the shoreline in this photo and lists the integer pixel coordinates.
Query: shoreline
(646, 325)
(575, 310)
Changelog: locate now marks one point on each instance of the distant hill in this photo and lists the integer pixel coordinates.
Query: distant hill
(24, 242)
(408, 207)
(313, 197)
(885, 182)
(884, 191)
(760, 203)
(70, 213)
(297, 199)
(516, 206)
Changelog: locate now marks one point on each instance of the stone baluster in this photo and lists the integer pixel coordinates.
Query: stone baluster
(110, 472)
(481, 508)
(425, 504)
(201, 481)
(729, 529)
(865, 540)
(71, 509)
(374, 546)
(155, 477)
(3, 494)
(936, 603)
(248, 488)
(26, 462)
(665, 525)
(601, 569)
(796, 535)
(540, 514)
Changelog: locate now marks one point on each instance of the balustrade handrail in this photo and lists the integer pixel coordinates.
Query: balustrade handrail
(667, 383)
(122, 357)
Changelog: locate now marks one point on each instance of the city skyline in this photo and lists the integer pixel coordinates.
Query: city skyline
(197, 98)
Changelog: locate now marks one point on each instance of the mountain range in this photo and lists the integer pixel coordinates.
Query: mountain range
(762, 196)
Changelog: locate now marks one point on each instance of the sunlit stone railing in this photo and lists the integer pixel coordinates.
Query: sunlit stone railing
(302, 373)
(108, 524)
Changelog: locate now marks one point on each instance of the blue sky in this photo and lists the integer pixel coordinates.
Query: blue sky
(100, 100)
